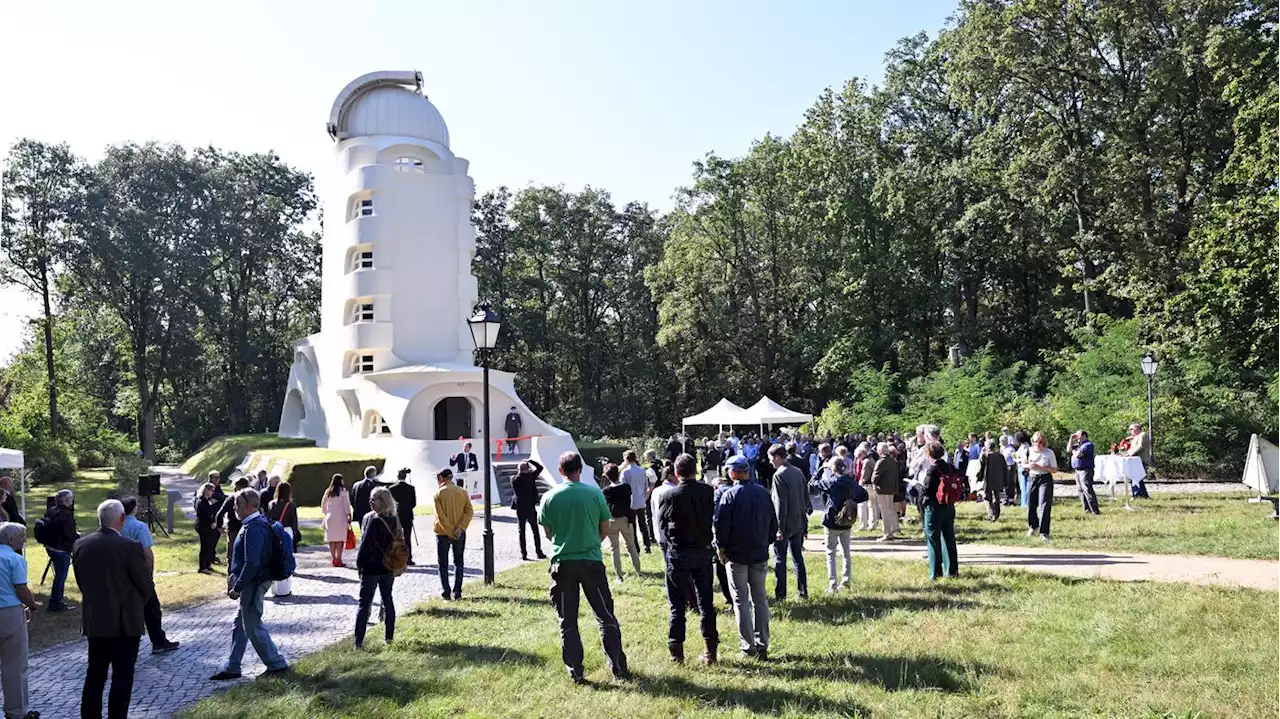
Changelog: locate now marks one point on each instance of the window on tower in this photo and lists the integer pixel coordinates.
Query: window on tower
(375, 425)
(361, 364)
(410, 164)
(360, 257)
(366, 208)
(362, 312)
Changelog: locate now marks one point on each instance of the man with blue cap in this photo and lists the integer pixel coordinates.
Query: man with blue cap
(746, 526)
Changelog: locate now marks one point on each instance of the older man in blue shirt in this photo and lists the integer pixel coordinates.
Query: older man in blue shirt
(746, 525)
(16, 604)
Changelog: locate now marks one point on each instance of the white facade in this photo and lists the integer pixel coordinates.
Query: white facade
(391, 370)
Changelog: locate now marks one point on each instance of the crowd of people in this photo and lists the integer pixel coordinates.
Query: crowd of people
(720, 511)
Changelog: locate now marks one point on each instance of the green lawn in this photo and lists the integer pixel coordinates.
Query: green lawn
(1220, 525)
(224, 453)
(992, 644)
(177, 581)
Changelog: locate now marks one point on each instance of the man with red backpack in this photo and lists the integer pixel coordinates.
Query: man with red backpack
(944, 489)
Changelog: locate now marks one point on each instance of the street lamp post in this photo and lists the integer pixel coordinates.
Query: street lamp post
(1149, 366)
(484, 326)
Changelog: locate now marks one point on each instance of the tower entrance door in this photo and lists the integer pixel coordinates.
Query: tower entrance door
(453, 418)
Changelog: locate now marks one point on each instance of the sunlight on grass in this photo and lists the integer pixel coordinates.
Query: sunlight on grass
(1220, 525)
(993, 644)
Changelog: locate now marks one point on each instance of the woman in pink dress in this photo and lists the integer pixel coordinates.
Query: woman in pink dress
(336, 506)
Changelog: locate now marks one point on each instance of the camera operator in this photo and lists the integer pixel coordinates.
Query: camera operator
(57, 532)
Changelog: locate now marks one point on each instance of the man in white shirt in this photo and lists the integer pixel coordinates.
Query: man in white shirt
(659, 493)
(634, 476)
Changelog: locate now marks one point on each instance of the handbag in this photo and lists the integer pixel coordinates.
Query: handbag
(351, 538)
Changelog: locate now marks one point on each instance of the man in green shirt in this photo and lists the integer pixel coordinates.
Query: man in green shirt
(575, 517)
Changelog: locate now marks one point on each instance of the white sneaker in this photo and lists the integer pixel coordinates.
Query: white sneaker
(1045, 538)
(831, 587)
(1031, 532)
(884, 538)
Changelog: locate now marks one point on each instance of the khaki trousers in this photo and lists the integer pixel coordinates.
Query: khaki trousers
(13, 660)
(620, 527)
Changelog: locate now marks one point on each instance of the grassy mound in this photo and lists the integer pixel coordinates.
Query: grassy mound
(309, 469)
(225, 452)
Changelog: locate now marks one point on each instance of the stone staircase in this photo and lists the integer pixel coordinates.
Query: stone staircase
(505, 471)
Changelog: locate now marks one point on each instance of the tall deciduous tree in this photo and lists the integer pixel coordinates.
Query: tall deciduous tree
(42, 187)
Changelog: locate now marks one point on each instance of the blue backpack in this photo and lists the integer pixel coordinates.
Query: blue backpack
(282, 563)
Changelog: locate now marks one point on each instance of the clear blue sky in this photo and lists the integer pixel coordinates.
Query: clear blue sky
(617, 95)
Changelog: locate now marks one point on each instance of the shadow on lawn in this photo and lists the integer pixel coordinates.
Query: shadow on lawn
(343, 689)
(439, 612)
(453, 653)
(848, 608)
(757, 700)
(891, 673)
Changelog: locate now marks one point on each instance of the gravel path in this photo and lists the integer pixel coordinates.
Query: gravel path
(321, 610)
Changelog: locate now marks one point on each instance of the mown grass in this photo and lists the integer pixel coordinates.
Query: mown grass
(177, 581)
(1219, 525)
(992, 644)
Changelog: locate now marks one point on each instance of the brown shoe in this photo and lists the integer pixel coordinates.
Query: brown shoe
(709, 656)
(677, 653)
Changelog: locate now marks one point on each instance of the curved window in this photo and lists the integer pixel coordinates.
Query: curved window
(410, 164)
(360, 257)
(360, 310)
(360, 364)
(375, 425)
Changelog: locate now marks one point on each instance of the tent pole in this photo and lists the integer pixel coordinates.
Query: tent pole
(23, 474)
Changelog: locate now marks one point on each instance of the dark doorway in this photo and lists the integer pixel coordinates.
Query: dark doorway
(453, 418)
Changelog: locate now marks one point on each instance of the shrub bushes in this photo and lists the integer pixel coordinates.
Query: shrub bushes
(125, 473)
(48, 461)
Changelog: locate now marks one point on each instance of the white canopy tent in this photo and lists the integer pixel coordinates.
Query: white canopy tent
(722, 413)
(1262, 466)
(766, 411)
(13, 459)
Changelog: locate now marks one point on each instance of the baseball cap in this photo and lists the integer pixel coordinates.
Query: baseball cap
(739, 462)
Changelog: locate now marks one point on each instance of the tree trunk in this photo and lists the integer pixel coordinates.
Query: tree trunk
(48, 356)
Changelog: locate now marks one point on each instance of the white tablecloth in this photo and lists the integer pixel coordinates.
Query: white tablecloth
(971, 471)
(1114, 468)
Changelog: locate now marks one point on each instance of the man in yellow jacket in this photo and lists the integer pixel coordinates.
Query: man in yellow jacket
(453, 514)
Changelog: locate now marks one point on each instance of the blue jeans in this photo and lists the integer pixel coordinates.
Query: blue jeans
(794, 543)
(443, 546)
(61, 565)
(249, 628)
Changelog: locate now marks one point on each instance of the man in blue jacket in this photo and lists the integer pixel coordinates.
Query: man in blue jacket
(746, 525)
(248, 579)
(1082, 456)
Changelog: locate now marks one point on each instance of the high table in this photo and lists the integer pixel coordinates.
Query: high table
(1113, 468)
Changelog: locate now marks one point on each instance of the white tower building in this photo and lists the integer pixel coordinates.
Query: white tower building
(391, 370)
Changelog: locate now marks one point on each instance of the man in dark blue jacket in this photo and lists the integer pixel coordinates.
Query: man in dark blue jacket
(836, 485)
(746, 526)
(248, 579)
(1082, 462)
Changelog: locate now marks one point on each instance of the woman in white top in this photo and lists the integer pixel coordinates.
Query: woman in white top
(1040, 464)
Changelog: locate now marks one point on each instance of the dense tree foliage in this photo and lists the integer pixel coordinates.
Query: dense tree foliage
(995, 234)
(183, 280)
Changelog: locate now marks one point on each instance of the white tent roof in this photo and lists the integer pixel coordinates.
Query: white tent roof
(1262, 466)
(766, 411)
(724, 412)
(10, 459)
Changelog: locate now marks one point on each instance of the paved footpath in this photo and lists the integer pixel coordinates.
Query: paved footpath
(321, 610)
(1252, 573)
